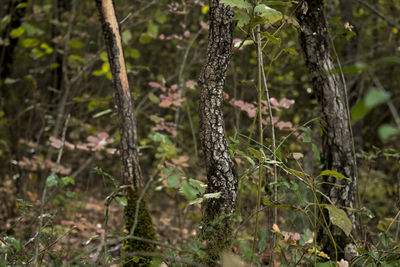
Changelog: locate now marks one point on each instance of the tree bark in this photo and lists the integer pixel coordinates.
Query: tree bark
(216, 225)
(337, 140)
(131, 173)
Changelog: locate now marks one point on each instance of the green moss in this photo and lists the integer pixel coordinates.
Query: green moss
(216, 235)
(144, 229)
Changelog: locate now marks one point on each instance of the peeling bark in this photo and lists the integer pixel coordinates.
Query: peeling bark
(131, 173)
(221, 176)
(337, 143)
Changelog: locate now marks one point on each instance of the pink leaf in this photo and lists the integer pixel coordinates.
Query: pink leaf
(186, 33)
(155, 84)
(204, 25)
(55, 142)
(191, 84)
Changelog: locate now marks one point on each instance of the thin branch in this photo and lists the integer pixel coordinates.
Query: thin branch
(376, 12)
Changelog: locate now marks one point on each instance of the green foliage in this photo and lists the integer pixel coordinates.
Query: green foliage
(372, 98)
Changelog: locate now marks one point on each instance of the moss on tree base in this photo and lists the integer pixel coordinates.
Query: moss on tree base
(144, 229)
(218, 236)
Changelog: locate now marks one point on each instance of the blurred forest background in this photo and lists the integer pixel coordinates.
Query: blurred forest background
(54, 66)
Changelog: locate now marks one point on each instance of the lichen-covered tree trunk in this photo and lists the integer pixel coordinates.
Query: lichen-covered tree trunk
(337, 140)
(216, 225)
(131, 173)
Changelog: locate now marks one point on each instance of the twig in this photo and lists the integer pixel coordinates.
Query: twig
(43, 200)
(376, 12)
(392, 108)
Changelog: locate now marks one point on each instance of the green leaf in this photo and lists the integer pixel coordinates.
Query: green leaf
(242, 19)
(375, 97)
(152, 29)
(256, 154)
(197, 200)
(237, 3)
(132, 53)
(13, 242)
(10, 81)
(339, 218)
(199, 185)
(326, 264)
(173, 180)
(70, 194)
(373, 254)
(67, 180)
(384, 239)
(47, 49)
(75, 44)
(5, 21)
(121, 201)
(291, 51)
(278, 3)
(30, 42)
(333, 174)
(22, 5)
(160, 17)
(270, 15)
(272, 38)
(358, 111)
(386, 131)
(250, 160)
(153, 98)
(126, 36)
(267, 201)
(145, 38)
(15, 33)
(30, 30)
(188, 191)
(315, 150)
(103, 56)
(52, 180)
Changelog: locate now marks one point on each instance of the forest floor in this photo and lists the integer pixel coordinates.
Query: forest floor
(74, 228)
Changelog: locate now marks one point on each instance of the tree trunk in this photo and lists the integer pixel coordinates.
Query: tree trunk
(216, 225)
(131, 173)
(16, 13)
(337, 140)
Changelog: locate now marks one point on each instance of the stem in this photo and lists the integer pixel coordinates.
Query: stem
(261, 137)
(43, 200)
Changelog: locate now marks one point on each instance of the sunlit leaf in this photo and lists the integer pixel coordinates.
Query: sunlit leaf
(333, 174)
(52, 180)
(75, 44)
(153, 98)
(236, 3)
(15, 33)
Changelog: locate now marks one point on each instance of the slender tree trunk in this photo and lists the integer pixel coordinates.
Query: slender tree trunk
(16, 13)
(131, 173)
(216, 225)
(337, 140)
